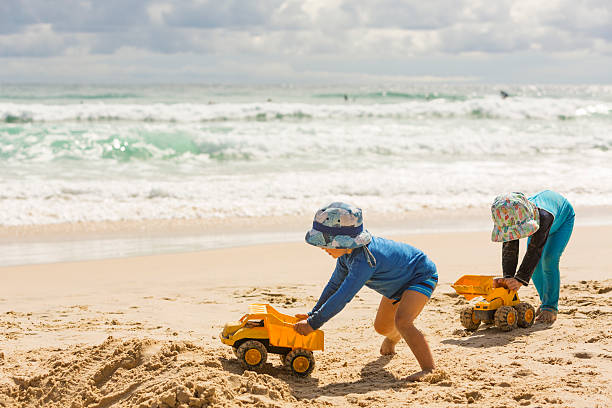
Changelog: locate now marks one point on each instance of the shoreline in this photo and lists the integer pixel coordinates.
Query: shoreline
(408, 221)
(455, 253)
(70, 242)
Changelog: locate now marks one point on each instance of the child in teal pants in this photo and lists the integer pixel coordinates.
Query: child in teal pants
(547, 219)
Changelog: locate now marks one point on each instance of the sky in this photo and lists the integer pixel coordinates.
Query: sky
(305, 41)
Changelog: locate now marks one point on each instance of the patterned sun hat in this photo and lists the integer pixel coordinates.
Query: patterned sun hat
(338, 225)
(514, 217)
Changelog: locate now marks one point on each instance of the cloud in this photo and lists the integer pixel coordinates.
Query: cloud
(300, 31)
(74, 16)
(37, 40)
(231, 14)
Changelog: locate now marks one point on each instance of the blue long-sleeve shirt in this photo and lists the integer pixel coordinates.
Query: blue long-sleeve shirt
(398, 266)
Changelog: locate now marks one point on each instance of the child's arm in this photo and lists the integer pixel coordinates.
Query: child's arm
(535, 248)
(332, 286)
(358, 275)
(510, 252)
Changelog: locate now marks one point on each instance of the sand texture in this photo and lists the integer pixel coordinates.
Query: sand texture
(144, 333)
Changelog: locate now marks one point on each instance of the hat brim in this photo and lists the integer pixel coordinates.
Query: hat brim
(514, 232)
(322, 240)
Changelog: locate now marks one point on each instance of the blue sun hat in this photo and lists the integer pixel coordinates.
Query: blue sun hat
(514, 217)
(340, 225)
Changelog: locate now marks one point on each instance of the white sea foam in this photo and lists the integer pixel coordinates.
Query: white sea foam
(384, 189)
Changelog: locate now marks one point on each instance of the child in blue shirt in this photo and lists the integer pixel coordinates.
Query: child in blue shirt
(402, 274)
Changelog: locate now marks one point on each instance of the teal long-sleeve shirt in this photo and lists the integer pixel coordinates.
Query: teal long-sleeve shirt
(398, 266)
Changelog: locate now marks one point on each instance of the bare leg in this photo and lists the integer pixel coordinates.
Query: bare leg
(385, 325)
(408, 309)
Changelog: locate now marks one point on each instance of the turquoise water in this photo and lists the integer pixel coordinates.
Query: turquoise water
(96, 153)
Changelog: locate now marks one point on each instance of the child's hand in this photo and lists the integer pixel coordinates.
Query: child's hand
(301, 316)
(508, 283)
(303, 328)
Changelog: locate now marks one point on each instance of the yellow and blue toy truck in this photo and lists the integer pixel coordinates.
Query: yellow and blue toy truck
(264, 330)
(498, 306)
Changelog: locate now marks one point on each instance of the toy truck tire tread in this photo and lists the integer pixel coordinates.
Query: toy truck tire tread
(253, 346)
(506, 318)
(526, 314)
(303, 355)
(468, 320)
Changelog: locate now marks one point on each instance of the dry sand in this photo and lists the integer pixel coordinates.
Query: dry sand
(143, 332)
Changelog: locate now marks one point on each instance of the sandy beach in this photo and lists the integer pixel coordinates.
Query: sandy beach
(161, 163)
(143, 332)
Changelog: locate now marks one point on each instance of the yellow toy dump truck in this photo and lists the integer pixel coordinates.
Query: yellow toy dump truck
(264, 330)
(499, 305)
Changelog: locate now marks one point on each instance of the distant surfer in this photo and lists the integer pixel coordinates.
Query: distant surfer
(503, 94)
(345, 97)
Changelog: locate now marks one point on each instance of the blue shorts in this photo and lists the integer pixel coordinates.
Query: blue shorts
(425, 287)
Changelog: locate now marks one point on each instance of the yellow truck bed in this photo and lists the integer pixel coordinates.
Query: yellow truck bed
(281, 331)
(471, 286)
(498, 305)
(277, 328)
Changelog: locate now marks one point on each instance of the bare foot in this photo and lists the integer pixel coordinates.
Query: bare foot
(538, 311)
(417, 376)
(387, 347)
(546, 316)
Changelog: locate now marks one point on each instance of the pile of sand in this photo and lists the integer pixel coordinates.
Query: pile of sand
(138, 373)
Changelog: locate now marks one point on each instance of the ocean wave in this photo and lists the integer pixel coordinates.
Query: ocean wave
(23, 118)
(301, 144)
(478, 108)
(70, 96)
(389, 96)
(138, 153)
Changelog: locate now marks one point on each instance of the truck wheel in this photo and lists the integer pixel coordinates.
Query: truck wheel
(469, 319)
(526, 314)
(252, 354)
(301, 362)
(506, 318)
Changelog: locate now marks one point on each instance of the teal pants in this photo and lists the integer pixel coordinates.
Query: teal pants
(546, 277)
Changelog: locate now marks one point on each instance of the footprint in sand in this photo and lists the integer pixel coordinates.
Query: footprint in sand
(555, 361)
(523, 373)
(583, 354)
(553, 400)
(522, 397)
(472, 396)
(607, 289)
